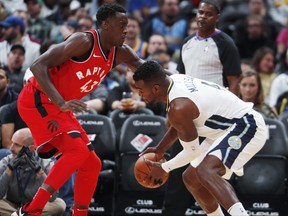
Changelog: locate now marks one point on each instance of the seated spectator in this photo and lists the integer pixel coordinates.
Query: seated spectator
(10, 123)
(22, 173)
(263, 62)
(7, 95)
(164, 59)
(282, 63)
(133, 37)
(15, 60)
(279, 93)
(13, 32)
(250, 90)
(156, 42)
(86, 23)
(37, 27)
(253, 37)
(97, 99)
(61, 32)
(168, 22)
(118, 100)
(192, 26)
(142, 9)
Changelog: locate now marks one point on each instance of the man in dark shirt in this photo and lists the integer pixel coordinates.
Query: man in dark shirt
(7, 95)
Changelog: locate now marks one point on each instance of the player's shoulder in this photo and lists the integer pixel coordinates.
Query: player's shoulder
(81, 37)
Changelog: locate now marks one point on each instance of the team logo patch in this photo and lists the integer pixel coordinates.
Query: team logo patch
(235, 142)
(52, 126)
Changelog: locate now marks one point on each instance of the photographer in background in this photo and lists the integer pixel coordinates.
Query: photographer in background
(22, 173)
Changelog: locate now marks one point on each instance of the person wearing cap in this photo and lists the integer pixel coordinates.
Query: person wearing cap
(15, 60)
(38, 27)
(13, 32)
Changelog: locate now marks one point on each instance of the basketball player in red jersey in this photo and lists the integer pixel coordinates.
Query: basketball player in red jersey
(62, 76)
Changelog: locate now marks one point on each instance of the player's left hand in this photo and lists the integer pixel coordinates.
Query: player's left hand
(156, 168)
(74, 105)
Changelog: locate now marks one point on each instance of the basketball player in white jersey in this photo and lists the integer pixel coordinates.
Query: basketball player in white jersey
(234, 134)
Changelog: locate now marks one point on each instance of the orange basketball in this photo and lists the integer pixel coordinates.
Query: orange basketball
(142, 170)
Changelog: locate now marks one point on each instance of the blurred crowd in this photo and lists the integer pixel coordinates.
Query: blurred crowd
(156, 31)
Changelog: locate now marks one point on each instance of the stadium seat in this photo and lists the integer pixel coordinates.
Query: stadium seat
(118, 117)
(132, 198)
(101, 132)
(277, 142)
(263, 188)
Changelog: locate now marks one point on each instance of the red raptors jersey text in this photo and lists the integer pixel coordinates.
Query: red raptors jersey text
(75, 79)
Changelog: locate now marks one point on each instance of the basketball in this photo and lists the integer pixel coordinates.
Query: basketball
(142, 170)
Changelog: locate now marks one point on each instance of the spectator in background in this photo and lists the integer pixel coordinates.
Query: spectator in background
(250, 90)
(76, 10)
(13, 32)
(259, 8)
(15, 61)
(19, 166)
(133, 101)
(96, 100)
(133, 40)
(253, 37)
(156, 42)
(164, 59)
(49, 7)
(60, 33)
(38, 27)
(7, 95)
(263, 62)
(86, 23)
(282, 40)
(133, 37)
(167, 23)
(62, 12)
(279, 93)
(142, 9)
(282, 64)
(10, 123)
(192, 26)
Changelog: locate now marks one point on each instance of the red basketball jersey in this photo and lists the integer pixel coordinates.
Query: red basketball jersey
(75, 79)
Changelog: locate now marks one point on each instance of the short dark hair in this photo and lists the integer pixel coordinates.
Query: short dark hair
(150, 71)
(6, 71)
(214, 3)
(107, 11)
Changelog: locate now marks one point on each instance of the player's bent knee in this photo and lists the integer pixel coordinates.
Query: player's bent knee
(189, 177)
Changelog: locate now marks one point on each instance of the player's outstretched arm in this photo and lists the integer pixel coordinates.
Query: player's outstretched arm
(75, 46)
(127, 55)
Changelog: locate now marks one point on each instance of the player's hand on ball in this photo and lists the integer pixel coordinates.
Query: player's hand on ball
(148, 171)
(151, 150)
(156, 168)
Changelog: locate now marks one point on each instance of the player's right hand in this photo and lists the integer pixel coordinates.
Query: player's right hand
(74, 105)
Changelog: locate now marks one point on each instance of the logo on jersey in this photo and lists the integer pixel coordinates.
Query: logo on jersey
(53, 126)
(96, 56)
(235, 142)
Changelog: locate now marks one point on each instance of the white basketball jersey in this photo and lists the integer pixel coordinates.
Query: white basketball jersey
(218, 107)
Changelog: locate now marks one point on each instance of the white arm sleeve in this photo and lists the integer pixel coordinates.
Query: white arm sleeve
(184, 157)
